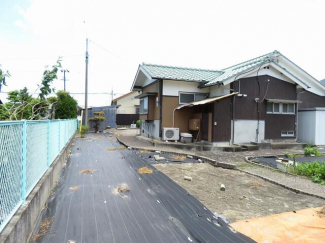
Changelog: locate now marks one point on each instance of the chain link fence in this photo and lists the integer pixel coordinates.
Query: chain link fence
(27, 150)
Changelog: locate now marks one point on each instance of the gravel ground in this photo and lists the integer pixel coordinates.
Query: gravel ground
(296, 182)
(245, 196)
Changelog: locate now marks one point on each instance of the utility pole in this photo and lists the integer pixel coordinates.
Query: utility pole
(86, 85)
(64, 71)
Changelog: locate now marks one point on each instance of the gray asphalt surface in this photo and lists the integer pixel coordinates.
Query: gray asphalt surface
(89, 207)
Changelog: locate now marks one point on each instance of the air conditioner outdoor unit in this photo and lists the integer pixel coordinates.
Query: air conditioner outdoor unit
(170, 133)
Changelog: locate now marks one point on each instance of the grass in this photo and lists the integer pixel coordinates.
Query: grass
(315, 171)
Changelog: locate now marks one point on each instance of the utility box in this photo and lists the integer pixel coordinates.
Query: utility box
(186, 137)
(194, 124)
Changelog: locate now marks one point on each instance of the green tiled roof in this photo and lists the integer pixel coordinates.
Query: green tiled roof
(322, 82)
(180, 73)
(243, 67)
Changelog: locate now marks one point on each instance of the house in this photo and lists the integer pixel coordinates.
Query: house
(254, 101)
(128, 110)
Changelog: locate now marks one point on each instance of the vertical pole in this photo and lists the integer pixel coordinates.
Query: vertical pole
(24, 159)
(59, 136)
(64, 79)
(48, 144)
(86, 85)
(82, 112)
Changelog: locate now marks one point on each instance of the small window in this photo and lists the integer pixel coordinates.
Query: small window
(137, 110)
(144, 105)
(269, 107)
(287, 134)
(280, 108)
(185, 98)
(276, 108)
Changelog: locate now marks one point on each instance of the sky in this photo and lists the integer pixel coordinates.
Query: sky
(122, 34)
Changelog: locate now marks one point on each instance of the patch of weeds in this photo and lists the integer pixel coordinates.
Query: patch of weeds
(256, 183)
(144, 152)
(111, 149)
(121, 148)
(86, 171)
(144, 170)
(178, 157)
(309, 150)
(44, 229)
(73, 188)
(244, 165)
(315, 171)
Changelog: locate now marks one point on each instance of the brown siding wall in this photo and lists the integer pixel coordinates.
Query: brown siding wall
(143, 117)
(153, 110)
(310, 100)
(275, 124)
(246, 107)
(222, 115)
(182, 116)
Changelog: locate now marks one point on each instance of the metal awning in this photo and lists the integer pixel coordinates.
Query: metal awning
(284, 101)
(205, 101)
(145, 95)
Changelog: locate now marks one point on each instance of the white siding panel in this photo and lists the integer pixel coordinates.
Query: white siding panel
(245, 131)
(320, 127)
(172, 88)
(306, 126)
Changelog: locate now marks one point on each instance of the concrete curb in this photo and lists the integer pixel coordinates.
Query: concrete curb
(282, 185)
(204, 159)
(21, 225)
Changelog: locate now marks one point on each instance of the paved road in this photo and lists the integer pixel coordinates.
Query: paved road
(155, 209)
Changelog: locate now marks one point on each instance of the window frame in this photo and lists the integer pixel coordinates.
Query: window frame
(141, 109)
(287, 135)
(281, 108)
(193, 93)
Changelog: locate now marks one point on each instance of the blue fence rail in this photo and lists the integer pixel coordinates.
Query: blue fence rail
(27, 150)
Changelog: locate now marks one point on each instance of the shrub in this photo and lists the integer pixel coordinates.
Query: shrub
(308, 151)
(138, 123)
(315, 171)
(83, 130)
(97, 119)
(66, 106)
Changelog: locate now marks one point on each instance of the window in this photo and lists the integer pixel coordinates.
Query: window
(185, 98)
(137, 110)
(144, 105)
(280, 108)
(287, 134)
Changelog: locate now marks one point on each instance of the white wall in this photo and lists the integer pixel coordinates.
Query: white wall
(320, 126)
(306, 126)
(271, 72)
(172, 87)
(154, 131)
(311, 126)
(245, 131)
(219, 91)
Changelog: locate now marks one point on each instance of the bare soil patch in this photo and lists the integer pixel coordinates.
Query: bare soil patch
(245, 196)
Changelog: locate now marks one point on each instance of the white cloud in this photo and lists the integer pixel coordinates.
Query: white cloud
(19, 23)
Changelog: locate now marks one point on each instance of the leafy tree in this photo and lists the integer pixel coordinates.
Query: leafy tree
(3, 75)
(48, 77)
(97, 119)
(66, 106)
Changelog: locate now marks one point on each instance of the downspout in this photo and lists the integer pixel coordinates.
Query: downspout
(297, 116)
(233, 119)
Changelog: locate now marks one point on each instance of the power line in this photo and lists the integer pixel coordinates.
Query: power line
(37, 57)
(106, 50)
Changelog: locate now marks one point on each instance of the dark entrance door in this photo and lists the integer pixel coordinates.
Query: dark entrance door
(205, 123)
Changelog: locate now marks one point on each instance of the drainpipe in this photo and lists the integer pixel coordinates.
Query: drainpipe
(297, 116)
(233, 119)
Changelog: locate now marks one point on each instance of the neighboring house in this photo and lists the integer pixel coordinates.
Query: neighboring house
(253, 101)
(128, 104)
(128, 110)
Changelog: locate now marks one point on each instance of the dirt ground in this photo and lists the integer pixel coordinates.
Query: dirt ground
(245, 196)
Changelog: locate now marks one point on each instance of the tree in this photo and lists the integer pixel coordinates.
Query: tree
(97, 119)
(3, 75)
(66, 106)
(21, 105)
(48, 77)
